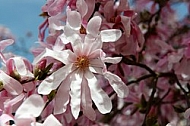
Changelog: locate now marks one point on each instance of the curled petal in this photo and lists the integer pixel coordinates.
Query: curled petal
(5, 43)
(10, 84)
(99, 97)
(117, 84)
(21, 67)
(110, 35)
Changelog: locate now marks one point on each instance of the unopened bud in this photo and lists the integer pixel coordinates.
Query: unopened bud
(15, 75)
(1, 85)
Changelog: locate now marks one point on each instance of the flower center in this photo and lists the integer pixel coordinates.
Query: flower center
(82, 62)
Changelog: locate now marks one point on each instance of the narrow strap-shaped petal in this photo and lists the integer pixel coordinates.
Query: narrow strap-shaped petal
(75, 93)
(87, 101)
(110, 35)
(61, 55)
(99, 97)
(10, 84)
(117, 84)
(54, 80)
(113, 60)
(62, 97)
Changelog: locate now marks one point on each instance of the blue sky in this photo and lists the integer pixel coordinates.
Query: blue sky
(21, 17)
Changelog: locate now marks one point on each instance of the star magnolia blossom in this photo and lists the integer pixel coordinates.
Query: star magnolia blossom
(77, 80)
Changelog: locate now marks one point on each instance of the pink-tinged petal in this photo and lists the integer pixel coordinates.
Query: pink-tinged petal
(59, 55)
(59, 45)
(96, 63)
(126, 21)
(117, 84)
(75, 93)
(10, 84)
(5, 43)
(62, 97)
(99, 97)
(24, 121)
(74, 19)
(113, 60)
(91, 6)
(4, 118)
(14, 100)
(187, 113)
(110, 35)
(21, 67)
(51, 121)
(82, 7)
(54, 80)
(93, 26)
(32, 106)
(95, 54)
(109, 10)
(97, 70)
(86, 100)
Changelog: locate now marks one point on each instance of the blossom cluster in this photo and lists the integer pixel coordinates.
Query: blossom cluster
(100, 62)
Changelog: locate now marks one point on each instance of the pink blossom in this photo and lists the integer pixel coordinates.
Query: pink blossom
(78, 81)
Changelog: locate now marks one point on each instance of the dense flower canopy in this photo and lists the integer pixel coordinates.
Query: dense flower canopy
(102, 62)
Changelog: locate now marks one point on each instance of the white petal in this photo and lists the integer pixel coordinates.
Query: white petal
(54, 80)
(99, 97)
(95, 69)
(32, 106)
(51, 121)
(113, 60)
(74, 19)
(93, 26)
(59, 55)
(187, 113)
(75, 93)
(10, 84)
(82, 7)
(110, 35)
(5, 43)
(117, 84)
(71, 35)
(21, 67)
(62, 97)
(87, 101)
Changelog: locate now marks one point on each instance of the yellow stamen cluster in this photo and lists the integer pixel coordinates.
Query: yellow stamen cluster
(82, 62)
